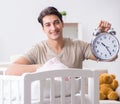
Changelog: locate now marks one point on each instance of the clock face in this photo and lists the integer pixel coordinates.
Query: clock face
(105, 46)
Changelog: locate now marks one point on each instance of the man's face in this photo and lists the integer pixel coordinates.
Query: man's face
(52, 26)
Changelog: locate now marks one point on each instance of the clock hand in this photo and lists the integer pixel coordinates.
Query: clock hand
(104, 45)
(106, 48)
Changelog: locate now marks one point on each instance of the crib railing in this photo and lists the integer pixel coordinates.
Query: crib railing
(10, 89)
(93, 85)
(18, 88)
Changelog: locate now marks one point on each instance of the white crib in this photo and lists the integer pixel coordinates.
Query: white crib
(20, 87)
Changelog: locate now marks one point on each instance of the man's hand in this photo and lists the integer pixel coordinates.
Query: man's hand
(104, 26)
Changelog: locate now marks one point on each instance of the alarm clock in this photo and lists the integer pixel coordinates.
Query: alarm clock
(105, 45)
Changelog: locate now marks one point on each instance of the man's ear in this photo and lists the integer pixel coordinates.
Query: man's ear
(42, 28)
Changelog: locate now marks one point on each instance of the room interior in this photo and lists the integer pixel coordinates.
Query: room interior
(20, 28)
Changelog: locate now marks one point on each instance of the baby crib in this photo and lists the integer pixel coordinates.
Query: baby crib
(19, 89)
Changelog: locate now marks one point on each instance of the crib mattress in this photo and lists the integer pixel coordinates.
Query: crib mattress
(109, 102)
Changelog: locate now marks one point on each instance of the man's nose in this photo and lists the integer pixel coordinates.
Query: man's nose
(53, 26)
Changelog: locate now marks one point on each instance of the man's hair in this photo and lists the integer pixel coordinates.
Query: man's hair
(49, 11)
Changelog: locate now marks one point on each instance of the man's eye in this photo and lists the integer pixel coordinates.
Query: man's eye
(47, 25)
(57, 22)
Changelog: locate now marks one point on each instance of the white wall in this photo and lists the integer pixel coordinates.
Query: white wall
(19, 28)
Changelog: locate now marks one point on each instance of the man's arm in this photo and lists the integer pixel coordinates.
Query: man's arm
(20, 66)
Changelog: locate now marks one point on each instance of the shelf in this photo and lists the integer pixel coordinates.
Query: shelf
(72, 30)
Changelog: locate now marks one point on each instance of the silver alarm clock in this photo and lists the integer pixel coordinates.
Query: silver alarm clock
(105, 45)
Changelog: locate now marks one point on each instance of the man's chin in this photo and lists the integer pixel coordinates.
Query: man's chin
(55, 38)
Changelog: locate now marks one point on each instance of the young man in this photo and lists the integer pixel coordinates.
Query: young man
(70, 52)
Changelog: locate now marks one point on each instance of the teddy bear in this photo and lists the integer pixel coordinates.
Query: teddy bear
(108, 85)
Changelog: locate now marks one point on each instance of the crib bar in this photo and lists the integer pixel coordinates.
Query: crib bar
(83, 90)
(52, 93)
(72, 90)
(18, 91)
(41, 90)
(63, 91)
(1, 91)
(93, 87)
(27, 91)
(10, 94)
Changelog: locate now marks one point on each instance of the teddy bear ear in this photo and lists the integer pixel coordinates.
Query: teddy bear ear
(103, 74)
(113, 76)
(103, 78)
